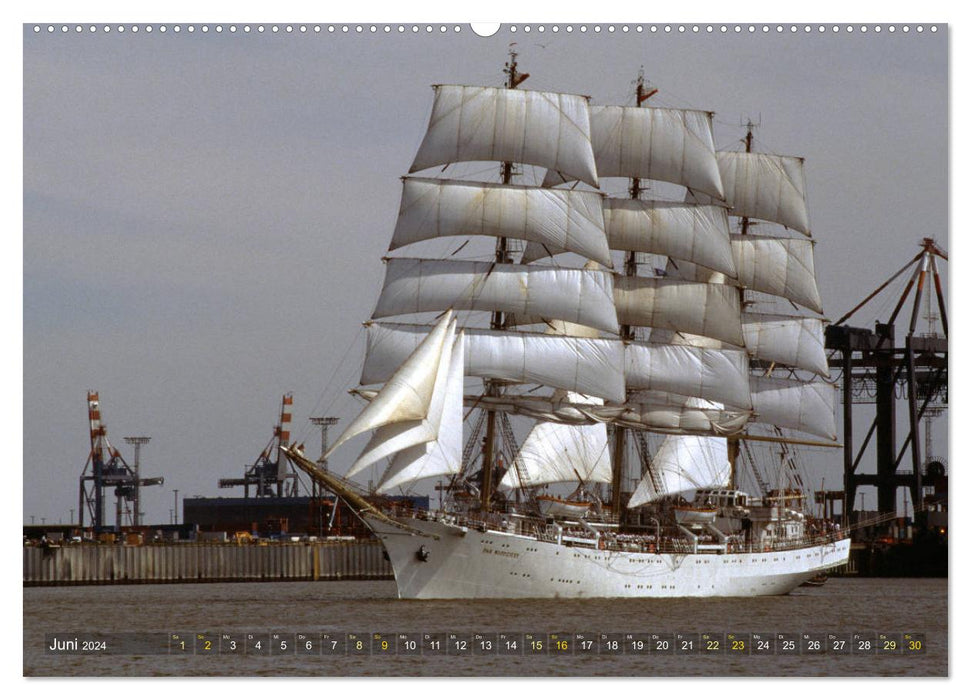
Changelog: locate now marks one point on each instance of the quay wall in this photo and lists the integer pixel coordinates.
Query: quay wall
(99, 564)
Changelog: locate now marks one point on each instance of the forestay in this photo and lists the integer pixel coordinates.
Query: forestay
(590, 366)
(547, 129)
(564, 220)
(579, 296)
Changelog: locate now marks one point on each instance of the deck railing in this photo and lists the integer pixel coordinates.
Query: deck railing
(664, 540)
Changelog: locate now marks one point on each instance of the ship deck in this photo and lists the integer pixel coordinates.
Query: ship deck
(604, 534)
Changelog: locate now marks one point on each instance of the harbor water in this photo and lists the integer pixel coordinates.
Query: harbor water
(842, 606)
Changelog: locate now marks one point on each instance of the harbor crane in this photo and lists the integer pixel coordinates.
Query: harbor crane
(270, 475)
(875, 369)
(106, 468)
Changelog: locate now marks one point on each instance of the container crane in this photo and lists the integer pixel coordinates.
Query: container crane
(269, 474)
(106, 468)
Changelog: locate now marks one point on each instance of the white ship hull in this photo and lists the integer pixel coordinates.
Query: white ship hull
(438, 560)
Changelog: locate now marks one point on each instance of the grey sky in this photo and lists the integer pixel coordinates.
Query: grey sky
(204, 214)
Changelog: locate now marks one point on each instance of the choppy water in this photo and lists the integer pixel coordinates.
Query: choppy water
(842, 606)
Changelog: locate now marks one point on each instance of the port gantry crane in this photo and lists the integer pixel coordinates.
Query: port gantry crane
(871, 364)
(269, 474)
(105, 468)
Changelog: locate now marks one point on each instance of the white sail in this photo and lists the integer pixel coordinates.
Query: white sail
(693, 232)
(590, 366)
(395, 437)
(715, 375)
(673, 145)
(682, 464)
(556, 452)
(710, 310)
(698, 233)
(764, 186)
(443, 455)
(547, 129)
(809, 407)
(780, 266)
(564, 220)
(585, 365)
(796, 341)
(407, 393)
(568, 294)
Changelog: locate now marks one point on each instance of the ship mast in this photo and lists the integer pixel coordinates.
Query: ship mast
(734, 447)
(493, 388)
(626, 334)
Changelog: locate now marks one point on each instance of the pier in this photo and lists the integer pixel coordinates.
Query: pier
(210, 562)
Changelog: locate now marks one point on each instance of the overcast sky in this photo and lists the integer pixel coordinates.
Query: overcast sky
(204, 214)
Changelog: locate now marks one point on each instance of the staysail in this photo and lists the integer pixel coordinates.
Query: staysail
(407, 393)
(443, 455)
(400, 435)
(559, 452)
(427, 442)
(682, 464)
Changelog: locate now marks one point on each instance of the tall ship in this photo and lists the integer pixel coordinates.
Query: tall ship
(639, 332)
